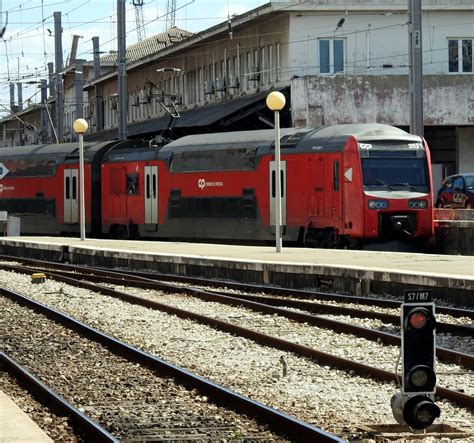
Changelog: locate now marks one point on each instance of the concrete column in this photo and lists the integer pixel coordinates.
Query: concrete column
(465, 149)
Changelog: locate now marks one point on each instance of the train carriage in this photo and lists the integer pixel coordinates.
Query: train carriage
(40, 184)
(341, 185)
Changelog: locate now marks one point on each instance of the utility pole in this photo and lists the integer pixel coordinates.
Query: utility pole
(96, 51)
(58, 49)
(99, 104)
(12, 97)
(52, 86)
(20, 89)
(78, 87)
(122, 71)
(44, 111)
(416, 68)
(140, 23)
(170, 14)
(20, 96)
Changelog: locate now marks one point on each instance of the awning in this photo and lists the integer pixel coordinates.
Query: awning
(240, 113)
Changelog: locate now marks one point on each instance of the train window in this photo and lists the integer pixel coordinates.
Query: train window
(68, 187)
(336, 176)
(395, 173)
(74, 188)
(282, 184)
(154, 185)
(148, 194)
(132, 184)
(215, 160)
(273, 184)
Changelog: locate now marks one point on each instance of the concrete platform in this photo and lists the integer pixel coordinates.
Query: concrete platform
(16, 426)
(450, 277)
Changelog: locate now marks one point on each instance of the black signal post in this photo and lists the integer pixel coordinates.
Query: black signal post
(415, 406)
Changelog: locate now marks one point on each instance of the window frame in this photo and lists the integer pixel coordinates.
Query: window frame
(460, 56)
(332, 64)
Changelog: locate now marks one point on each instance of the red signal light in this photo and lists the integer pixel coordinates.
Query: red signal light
(418, 320)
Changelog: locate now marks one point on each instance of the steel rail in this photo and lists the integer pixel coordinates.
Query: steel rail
(49, 398)
(319, 308)
(443, 354)
(264, 339)
(248, 287)
(276, 420)
(120, 278)
(296, 293)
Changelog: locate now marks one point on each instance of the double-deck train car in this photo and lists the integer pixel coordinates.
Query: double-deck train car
(341, 185)
(40, 184)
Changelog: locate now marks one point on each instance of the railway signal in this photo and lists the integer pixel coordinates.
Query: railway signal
(415, 406)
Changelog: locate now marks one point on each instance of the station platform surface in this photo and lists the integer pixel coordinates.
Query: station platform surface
(16, 426)
(260, 264)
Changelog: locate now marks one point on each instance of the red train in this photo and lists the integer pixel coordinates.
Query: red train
(341, 185)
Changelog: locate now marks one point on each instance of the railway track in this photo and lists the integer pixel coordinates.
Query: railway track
(264, 304)
(139, 402)
(82, 424)
(245, 288)
(298, 350)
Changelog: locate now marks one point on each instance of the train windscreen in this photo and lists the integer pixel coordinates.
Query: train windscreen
(394, 166)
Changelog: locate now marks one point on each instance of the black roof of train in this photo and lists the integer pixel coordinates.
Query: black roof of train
(60, 153)
(326, 138)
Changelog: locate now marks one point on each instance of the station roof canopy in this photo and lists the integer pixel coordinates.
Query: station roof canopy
(241, 113)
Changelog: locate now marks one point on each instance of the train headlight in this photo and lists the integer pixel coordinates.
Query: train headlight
(417, 204)
(378, 204)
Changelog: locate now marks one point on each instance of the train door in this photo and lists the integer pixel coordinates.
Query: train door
(151, 198)
(273, 193)
(71, 195)
(336, 189)
(317, 188)
(117, 204)
(332, 209)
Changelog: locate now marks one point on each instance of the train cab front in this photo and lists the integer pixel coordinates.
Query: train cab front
(397, 191)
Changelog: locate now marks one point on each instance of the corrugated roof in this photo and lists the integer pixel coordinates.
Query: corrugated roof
(151, 45)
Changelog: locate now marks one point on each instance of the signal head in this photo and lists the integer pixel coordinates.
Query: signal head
(420, 412)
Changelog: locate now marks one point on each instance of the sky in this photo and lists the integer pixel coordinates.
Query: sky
(27, 44)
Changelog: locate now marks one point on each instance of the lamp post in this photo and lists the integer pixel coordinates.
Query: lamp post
(80, 127)
(276, 102)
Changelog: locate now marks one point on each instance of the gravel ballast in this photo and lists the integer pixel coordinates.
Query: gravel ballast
(334, 400)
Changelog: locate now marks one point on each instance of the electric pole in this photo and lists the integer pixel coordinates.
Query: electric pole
(139, 19)
(122, 71)
(58, 50)
(416, 68)
(170, 14)
(44, 111)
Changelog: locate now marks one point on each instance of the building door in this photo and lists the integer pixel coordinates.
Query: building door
(151, 197)
(273, 193)
(71, 189)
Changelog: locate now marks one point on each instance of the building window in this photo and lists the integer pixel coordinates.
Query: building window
(331, 56)
(460, 54)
